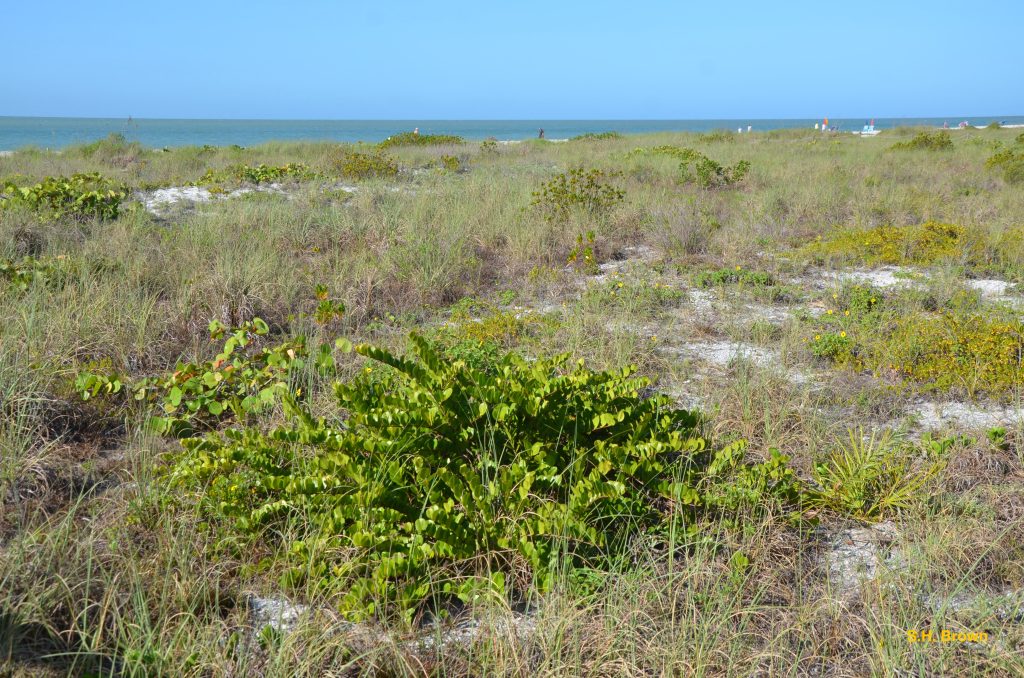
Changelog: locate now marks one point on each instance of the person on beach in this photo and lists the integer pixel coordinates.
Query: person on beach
(541, 135)
(416, 132)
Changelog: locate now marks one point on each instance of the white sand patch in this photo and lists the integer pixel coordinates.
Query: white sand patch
(989, 288)
(631, 256)
(885, 277)
(703, 301)
(723, 353)
(280, 614)
(4, 154)
(860, 555)
(707, 303)
(965, 415)
(772, 314)
(685, 398)
(162, 199)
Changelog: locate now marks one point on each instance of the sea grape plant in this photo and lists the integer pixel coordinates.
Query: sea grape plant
(244, 378)
(79, 197)
(446, 480)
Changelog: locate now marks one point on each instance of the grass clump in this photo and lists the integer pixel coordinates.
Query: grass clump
(596, 136)
(716, 136)
(448, 482)
(414, 139)
(590, 191)
(639, 295)
(921, 244)
(359, 166)
(925, 141)
(733, 276)
(869, 477)
(79, 197)
(114, 150)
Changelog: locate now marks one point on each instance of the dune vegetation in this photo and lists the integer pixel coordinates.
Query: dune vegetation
(673, 404)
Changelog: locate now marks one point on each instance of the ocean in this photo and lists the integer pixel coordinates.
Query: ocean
(56, 133)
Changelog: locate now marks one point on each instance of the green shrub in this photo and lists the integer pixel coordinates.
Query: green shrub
(587, 190)
(710, 174)
(262, 174)
(489, 147)
(860, 300)
(356, 165)
(958, 349)
(834, 346)
(974, 353)
(479, 333)
(695, 167)
(80, 197)
(413, 139)
(448, 481)
(922, 244)
(1011, 161)
(258, 174)
(450, 163)
(926, 141)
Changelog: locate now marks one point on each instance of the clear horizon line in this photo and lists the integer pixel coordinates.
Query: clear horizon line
(557, 119)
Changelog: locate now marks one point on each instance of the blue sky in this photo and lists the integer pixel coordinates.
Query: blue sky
(587, 59)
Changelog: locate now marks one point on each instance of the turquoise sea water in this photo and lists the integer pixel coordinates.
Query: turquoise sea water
(56, 133)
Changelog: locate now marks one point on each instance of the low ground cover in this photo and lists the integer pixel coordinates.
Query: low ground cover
(757, 446)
